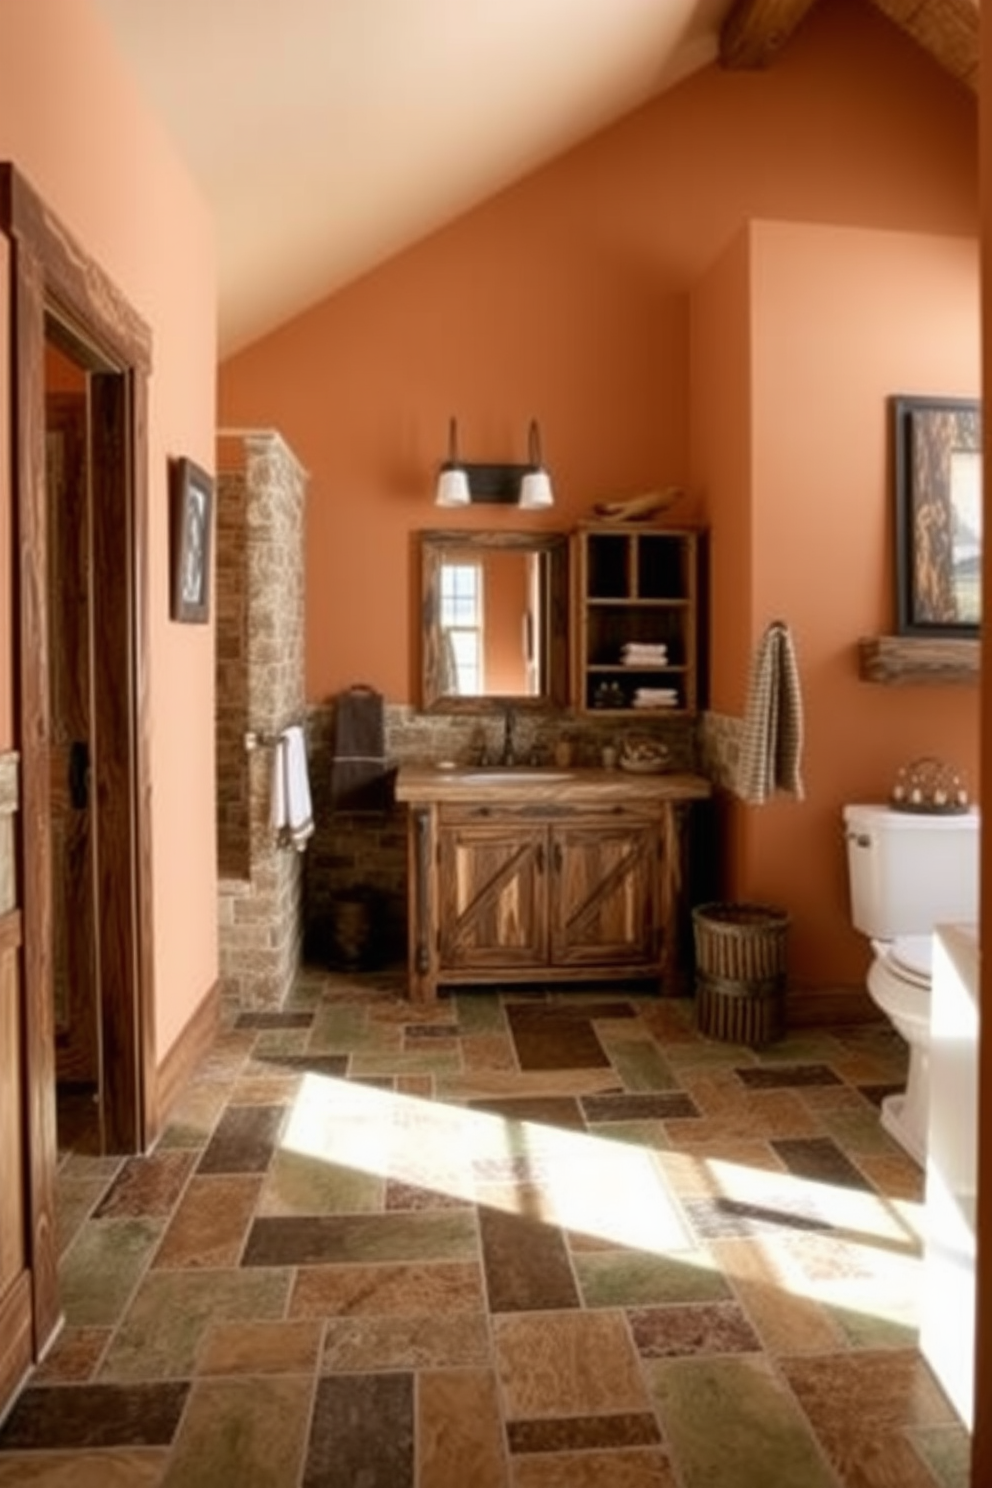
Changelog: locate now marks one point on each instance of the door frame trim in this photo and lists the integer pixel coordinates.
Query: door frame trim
(53, 280)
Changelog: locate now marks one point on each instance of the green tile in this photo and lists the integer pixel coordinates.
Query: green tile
(947, 1452)
(624, 1278)
(638, 1063)
(478, 1014)
(648, 1132)
(732, 1421)
(245, 1431)
(299, 1184)
(161, 1332)
(338, 1028)
(102, 1266)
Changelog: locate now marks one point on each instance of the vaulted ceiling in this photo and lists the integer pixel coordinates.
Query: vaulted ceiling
(327, 135)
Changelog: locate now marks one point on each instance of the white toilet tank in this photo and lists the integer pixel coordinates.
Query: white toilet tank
(908, 871)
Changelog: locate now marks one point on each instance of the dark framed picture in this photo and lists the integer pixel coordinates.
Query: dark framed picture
(937, 466)
(191, 493)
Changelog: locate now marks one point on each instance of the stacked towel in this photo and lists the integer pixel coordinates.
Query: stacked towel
(772, 741)
(360, 779)
(644, 653)
(656, 697)
(292, 813)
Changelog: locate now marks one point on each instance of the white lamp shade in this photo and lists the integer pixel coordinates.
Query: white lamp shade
(535, 491)
(452, 487)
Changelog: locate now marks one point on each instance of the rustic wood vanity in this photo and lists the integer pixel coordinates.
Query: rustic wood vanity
(543, 875)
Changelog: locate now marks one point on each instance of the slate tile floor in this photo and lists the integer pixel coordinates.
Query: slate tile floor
(507, 1241)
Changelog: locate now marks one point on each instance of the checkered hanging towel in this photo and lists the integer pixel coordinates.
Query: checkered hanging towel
(772, 742)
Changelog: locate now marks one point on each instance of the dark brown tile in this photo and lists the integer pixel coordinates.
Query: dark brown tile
(362, 1432)
(243, 1140)
(583, 1433)
(417, 1033)
(526, 1263)
(147, 1185)
(556, 1044)
(547, 1110)
(581, 1011)
(76, 1416)
(692, 1328)
(775, 1077)
(819, 1159)
(662, 1105)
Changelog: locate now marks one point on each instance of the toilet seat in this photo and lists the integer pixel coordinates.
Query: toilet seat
(908, 957)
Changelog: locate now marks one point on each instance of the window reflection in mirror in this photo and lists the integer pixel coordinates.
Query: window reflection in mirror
(494, 610)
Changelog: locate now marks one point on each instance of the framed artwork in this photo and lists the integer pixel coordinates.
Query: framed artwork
(191, 493)
(937, 465)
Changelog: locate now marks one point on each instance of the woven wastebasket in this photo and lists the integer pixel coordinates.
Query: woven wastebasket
(740, 971)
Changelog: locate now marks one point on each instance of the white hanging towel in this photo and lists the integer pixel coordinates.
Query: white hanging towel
(292, 812)
(772, 743)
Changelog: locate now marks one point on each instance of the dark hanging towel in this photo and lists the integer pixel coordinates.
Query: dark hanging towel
(360, 779)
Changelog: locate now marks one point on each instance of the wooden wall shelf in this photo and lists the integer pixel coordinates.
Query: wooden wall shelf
(912, 660)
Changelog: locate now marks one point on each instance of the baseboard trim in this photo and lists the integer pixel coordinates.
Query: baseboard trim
(829, 1007)
(186, 1053)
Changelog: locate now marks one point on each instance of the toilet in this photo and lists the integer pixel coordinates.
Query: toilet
(909, 871)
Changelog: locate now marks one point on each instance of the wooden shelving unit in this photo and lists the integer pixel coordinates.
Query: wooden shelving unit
(636, 584)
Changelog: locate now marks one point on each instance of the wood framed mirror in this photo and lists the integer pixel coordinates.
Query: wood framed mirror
(494, 612)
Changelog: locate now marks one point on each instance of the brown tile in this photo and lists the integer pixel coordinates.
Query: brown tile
(428, 1340)
(440, 1288)
(260, 1348)
(526, 1263)
(210, 1224)
(545, 1110)
(147, 1185)
(243, 1140)
(459, 1430)
(77, 1416)
(570, 1044)
(74, 1357)
(628, 1468)
(400, 1195)
(118, 1467)
(583, 1433)
(772, 1077)
(362, 1432)
(567, 1364)
(694, 1328)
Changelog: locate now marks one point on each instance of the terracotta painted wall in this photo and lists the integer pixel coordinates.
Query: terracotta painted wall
(819, 552)
(73, 124)
(568, 298)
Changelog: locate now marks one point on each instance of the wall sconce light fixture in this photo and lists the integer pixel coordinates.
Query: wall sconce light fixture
(461, 482)
(452, 480)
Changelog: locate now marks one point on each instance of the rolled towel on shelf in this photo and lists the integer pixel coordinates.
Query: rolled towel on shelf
(292, 811)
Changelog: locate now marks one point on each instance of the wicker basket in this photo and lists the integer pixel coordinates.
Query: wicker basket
(740, 971)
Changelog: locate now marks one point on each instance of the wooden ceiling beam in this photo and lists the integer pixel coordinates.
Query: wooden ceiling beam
(947, 29)
(755, 31)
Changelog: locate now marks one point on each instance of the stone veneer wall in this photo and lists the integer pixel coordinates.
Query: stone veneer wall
(352, 852)
(260, 690)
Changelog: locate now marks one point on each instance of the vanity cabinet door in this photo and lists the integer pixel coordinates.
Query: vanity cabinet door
(604, 894)
(492, 896)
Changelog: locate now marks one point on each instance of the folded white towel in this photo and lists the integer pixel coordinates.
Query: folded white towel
(292, 811)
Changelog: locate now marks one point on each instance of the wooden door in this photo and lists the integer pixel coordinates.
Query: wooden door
(491, 887)
(604, 894)
(16, 1290)
(73, 932)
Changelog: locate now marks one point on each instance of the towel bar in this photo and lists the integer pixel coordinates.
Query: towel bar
(255, 739)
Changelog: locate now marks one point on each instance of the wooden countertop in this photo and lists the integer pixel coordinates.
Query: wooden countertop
(540, 785)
